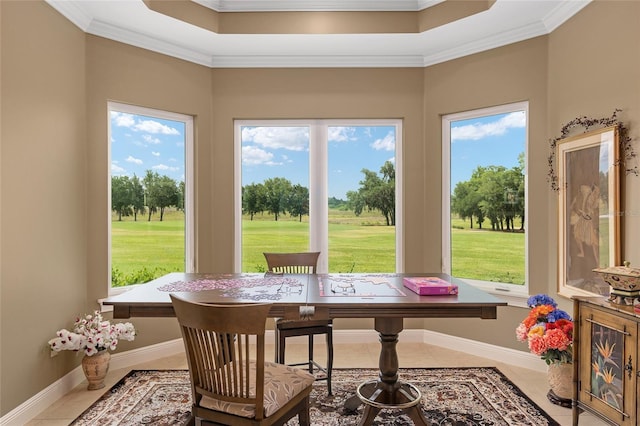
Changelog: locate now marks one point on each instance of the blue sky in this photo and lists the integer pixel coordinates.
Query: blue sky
(269, 152)
(494, 140)
(140, 143)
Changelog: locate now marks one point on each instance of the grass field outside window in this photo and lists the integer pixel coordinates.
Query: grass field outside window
(157, 248)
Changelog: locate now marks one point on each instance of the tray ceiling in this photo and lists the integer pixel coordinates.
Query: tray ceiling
(316, 33)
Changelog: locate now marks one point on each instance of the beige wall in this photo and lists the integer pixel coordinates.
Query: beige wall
(510, 74)
(125, 74)
(594, 68)
(56, 81)
(313, 93)
(43, 267)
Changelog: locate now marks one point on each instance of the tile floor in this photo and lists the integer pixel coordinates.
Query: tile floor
(364, 355)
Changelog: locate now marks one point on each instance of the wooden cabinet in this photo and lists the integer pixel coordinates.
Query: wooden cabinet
(605, 360)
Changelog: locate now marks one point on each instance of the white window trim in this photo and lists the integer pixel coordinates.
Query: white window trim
(189, 243)
(515, 295)
(318, 172)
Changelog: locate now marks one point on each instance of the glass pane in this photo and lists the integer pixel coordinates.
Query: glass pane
(607, 346)
(488, 198)
(275, 192)
(147, 197)
(362, 198)
(588, 219)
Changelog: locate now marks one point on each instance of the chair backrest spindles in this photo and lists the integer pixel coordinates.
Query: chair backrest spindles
(292, 263)
(220, 350)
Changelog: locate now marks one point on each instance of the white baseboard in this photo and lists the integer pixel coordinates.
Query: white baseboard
(39, 402)
(485, 350)
(460, 344)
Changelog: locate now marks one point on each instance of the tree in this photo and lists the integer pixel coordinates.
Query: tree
(181, 195)
(121, 196)
(514, 197)
(276, 191)
(137, 201)
(493, 192)
(149, 181)
(298, 202)
(355, 202)
(492, 187)
(464, 201)
(165, 194)
(376, 193)
(388, 192)
(253, 199)
(336, 203)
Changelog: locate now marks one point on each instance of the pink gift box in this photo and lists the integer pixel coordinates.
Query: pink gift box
(430, 286)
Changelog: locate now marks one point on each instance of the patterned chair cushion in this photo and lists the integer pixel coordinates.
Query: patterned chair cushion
(281, 383)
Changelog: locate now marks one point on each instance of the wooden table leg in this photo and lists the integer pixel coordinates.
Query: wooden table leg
(388, 391)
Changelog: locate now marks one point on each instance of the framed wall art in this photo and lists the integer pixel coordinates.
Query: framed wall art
(589, 210)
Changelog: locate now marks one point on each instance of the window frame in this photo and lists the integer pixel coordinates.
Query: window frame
(189, 206)
(513, 293)
(318, 172)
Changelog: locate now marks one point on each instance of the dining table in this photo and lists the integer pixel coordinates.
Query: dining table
(380, 296)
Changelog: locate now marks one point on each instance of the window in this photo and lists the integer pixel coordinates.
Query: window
(484, 197)
(322, 185)
(151, 196)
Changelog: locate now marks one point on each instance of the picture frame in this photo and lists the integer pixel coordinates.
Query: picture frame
(589, 188)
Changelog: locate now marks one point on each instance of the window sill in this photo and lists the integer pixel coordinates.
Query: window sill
(513, 294)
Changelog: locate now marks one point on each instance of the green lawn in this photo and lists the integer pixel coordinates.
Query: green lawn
(352, 248)
(143, 250)
(472, 258)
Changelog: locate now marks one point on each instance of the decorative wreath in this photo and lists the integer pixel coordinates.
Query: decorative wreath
(627, 153)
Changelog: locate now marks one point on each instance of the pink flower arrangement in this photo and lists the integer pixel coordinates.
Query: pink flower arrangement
(547, 330)
(92, 334)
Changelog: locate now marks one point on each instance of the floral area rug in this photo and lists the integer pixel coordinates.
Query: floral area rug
(450, 396)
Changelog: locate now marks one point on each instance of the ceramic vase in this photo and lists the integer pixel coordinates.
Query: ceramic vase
(560, 376)
(95, 369)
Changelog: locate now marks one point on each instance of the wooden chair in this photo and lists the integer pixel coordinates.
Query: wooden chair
(231, 384)
(301, 263)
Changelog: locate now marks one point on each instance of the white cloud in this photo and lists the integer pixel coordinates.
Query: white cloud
(117, 170)
(388, 143)
(133, 160)
(341, 134)
(253, 156)
(482, 130)
(291, 138)
(155, 154)
(165, 168)
(151, 126)
(122, 119)
(151, 139)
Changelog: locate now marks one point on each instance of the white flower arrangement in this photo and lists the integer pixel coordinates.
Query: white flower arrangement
(91, 334)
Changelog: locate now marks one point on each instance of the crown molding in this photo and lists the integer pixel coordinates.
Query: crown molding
(562, 13)
(73, 12)
(310, 61)
(143, 41)
(207, 55)
(317, 5)
(496, 40)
